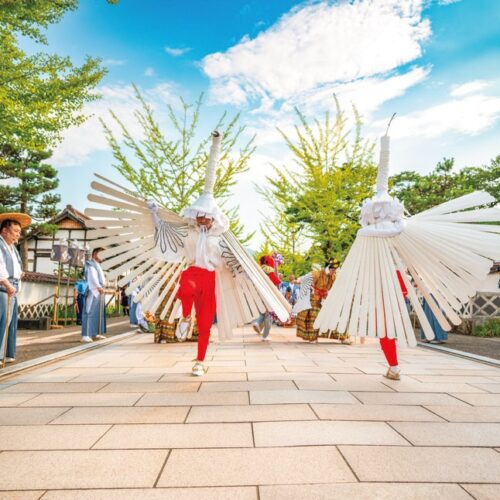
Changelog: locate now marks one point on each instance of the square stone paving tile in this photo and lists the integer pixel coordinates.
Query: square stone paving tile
(231, 493)
(194, 399)
(83, 399)
(208, 377)
(28, 470)
(149, 436)
(21, 495)
(382, 413)
(407, 398)
(50, 437)
(488, 387)
(429, 464)
(449, 434)
(363, 491)
(325, 433)
(483, 491)
(467, 413)
(277, 385)
(406, 371)
(323, 369)
(29, 416)
(118, 377)
(464, 379)
(406, 385)
(124, 415)
(9, 399)
(320, 377)
(283, 397)
(252, 466)
(53, 387)
(246, 369)
(251, 413)
(479, 370)
(331, 385)
(479, 399)
(151, 387)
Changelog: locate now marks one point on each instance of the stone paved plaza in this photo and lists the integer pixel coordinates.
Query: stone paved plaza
(280, 420)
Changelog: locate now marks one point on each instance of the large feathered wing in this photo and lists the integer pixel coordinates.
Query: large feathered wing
(446, 250)
(243, 289)
(125, 228)
(132, 254)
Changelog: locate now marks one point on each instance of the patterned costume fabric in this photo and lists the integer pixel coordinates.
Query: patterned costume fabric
(322, 282)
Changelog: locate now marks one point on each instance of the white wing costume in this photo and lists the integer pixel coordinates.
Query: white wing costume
(447, 250)
(154, 245)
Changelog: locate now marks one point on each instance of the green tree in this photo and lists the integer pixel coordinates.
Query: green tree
(30, 190)
(41, 95)
(171, 169)
(419, 192)
(321, 194)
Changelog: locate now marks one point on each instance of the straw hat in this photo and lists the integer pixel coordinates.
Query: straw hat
(23, 219)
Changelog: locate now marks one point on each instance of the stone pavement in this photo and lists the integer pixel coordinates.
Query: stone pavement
(285, 420)
(32, 344)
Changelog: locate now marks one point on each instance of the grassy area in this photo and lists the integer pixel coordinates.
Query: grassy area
(490, 328)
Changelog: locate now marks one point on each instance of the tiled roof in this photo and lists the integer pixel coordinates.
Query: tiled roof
(43, 278)
(70, 213)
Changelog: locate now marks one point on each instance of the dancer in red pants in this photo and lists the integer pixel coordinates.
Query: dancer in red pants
(388, 345)
(197, 286)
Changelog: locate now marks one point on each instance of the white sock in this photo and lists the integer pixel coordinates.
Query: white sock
(395, 369)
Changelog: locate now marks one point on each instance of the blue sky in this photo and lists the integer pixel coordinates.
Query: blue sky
(436, 63)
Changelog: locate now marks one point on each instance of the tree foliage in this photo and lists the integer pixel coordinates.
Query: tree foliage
(422, 191)
(316, 201)
(171, 168)
(31, 182)
(40, 94)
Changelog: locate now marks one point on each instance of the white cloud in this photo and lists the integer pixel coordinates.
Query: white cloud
(176, 52)
(80, 142)
(113, 62)
(469, 88)
(317, 45)
(149, 71)
(469, 116)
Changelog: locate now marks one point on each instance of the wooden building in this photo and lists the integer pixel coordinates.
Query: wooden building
(72, 225)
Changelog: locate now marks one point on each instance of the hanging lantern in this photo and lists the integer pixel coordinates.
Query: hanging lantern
(59, 251)
(76, 254)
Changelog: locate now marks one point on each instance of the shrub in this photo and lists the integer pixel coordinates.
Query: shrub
(490, 328)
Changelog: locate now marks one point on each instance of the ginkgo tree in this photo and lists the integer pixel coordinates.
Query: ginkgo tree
(168, 165)
(318, 196)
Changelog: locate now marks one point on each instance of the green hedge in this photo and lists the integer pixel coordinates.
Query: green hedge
(490, 328)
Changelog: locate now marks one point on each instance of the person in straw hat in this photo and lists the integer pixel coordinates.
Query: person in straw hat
(11, 225)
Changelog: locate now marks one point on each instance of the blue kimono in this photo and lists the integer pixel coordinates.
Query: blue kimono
(440, 334)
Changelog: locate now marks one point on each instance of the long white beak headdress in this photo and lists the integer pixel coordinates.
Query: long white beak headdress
(382, 215)
(206, 205)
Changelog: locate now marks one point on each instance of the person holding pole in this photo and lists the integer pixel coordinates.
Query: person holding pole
(11, 225)
(94, 309)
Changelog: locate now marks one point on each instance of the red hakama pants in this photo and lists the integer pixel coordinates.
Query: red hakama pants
(389, 349)
(197, 286)
(387, 345)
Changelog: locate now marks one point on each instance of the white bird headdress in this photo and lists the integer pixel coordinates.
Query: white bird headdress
(444, 250)
(206, 205)
(124, 223)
